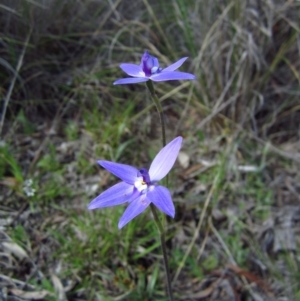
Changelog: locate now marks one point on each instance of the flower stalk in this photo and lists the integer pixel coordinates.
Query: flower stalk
(164, 250)
(159, 110)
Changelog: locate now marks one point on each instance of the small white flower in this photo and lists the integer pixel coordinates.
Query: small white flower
(28, 189)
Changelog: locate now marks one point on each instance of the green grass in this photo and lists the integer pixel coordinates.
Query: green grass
(64, 114)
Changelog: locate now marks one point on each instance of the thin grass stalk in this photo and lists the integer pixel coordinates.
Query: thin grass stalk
(12, 84)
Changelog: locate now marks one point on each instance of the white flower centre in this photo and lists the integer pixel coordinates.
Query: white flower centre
(140, 185)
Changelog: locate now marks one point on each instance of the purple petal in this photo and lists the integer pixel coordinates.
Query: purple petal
(127, 173)
(161, 198)
(155, 62)
(135, 208)
(164, 160)
(173, 75)
(144, 57)
(175, 66)
(115, 195)
(130, 80)
(133, 70)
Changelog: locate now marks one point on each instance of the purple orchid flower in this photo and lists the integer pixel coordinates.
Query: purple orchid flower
(139, 187)
(149, 69)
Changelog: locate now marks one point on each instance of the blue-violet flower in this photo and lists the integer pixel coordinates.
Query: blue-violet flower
(149, 69)
(139, 187)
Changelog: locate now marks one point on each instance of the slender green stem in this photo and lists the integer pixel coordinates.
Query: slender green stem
(164, 250)
(161, 116)
(159, 110)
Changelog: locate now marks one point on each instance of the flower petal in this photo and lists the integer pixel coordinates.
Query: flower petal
(172, 75)
(127, 173)
(115, 195)
(130, 80)
(135, 208)
(155, 62)
(133, 70)
(144, 57)
(175, 66)
(164, 160)
(160, 196)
